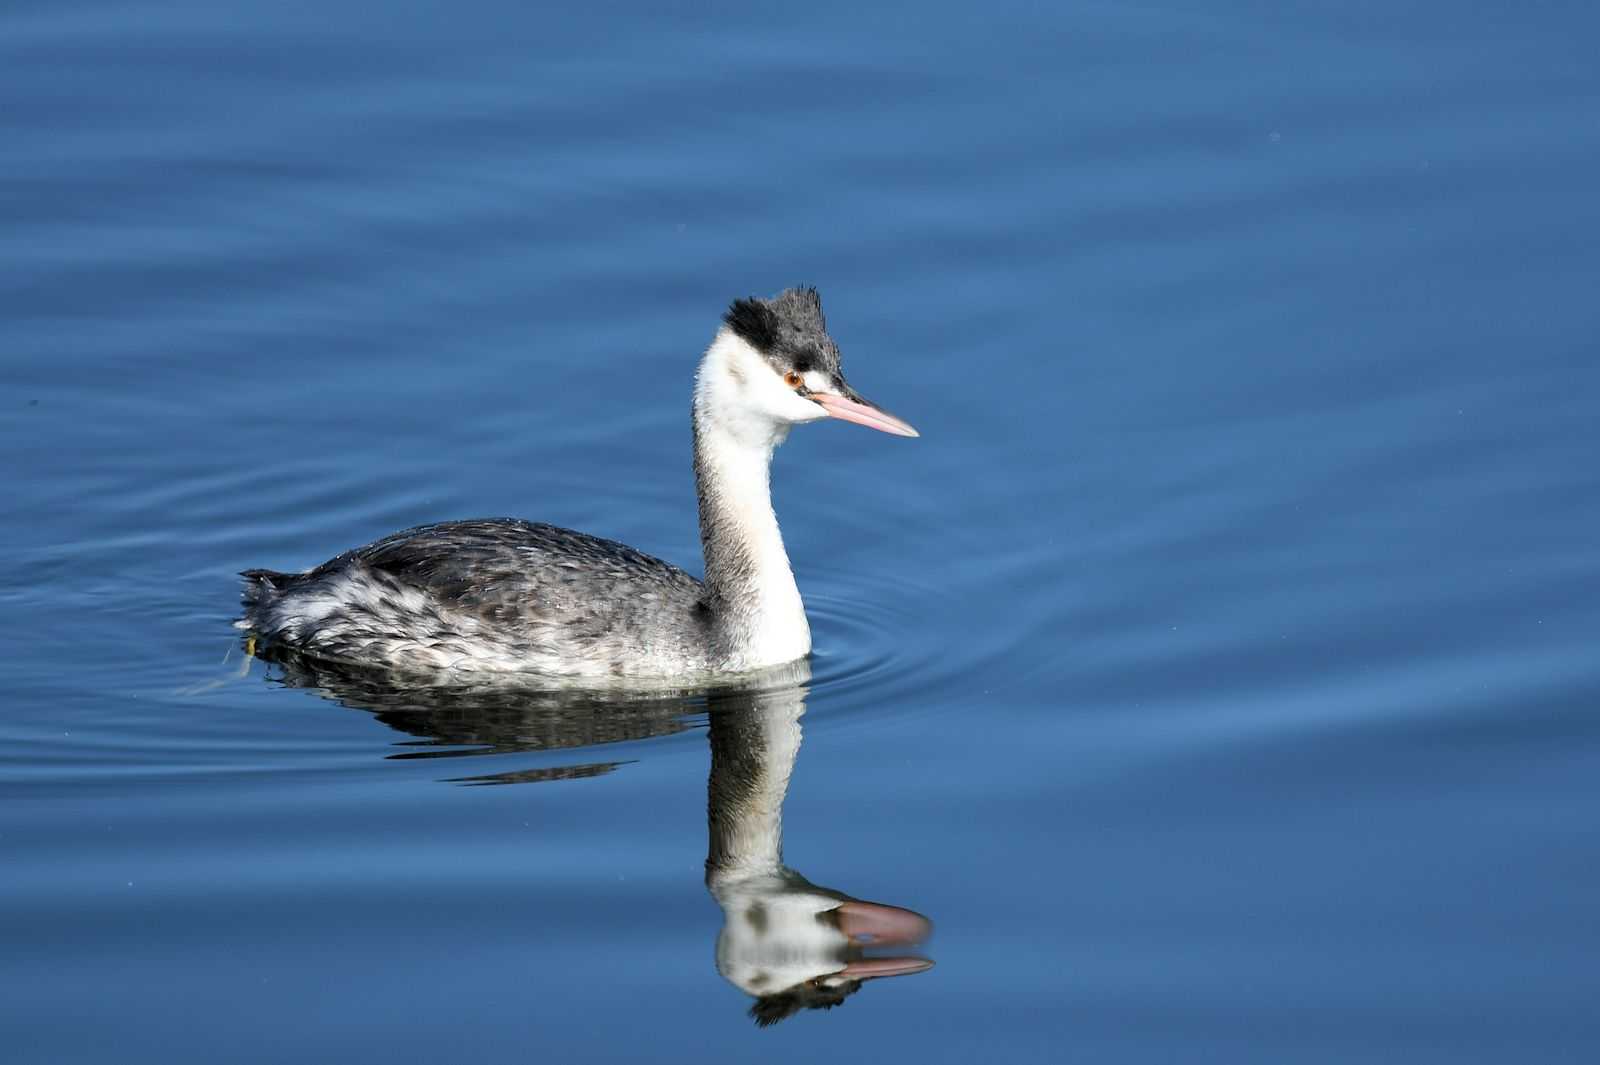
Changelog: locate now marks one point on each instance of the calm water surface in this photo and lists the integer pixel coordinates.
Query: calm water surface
(1217, 674)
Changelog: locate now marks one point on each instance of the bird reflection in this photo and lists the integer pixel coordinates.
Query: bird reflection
(791, 944)
(455, 719)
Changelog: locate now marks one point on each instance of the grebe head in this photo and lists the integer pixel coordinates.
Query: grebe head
(774, 366)
(796, 946)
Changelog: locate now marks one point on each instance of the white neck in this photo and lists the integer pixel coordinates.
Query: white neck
(750, 589)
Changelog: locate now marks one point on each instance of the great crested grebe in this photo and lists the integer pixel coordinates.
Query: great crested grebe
(504, 594)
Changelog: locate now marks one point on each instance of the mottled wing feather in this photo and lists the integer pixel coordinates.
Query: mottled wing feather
(486, 563)
(492, 594)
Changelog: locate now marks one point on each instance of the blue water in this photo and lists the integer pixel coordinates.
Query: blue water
(1217, 674)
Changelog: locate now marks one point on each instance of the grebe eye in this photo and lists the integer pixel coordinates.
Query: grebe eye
(792, 379)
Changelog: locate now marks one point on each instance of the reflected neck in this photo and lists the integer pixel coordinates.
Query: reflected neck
(752, 756)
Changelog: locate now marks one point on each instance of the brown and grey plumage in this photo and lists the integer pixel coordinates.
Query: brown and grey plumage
(511, 595)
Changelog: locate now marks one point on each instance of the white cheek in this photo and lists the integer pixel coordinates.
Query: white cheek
(801, 409)
(768, 391)
(818, 382)
(738, 388)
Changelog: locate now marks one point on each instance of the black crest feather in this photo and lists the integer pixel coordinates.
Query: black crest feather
(801, 306)
(754, 321)
(770, 1009)
(814, 298)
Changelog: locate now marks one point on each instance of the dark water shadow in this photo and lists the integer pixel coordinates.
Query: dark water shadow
(789, 943)
(453, 718)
